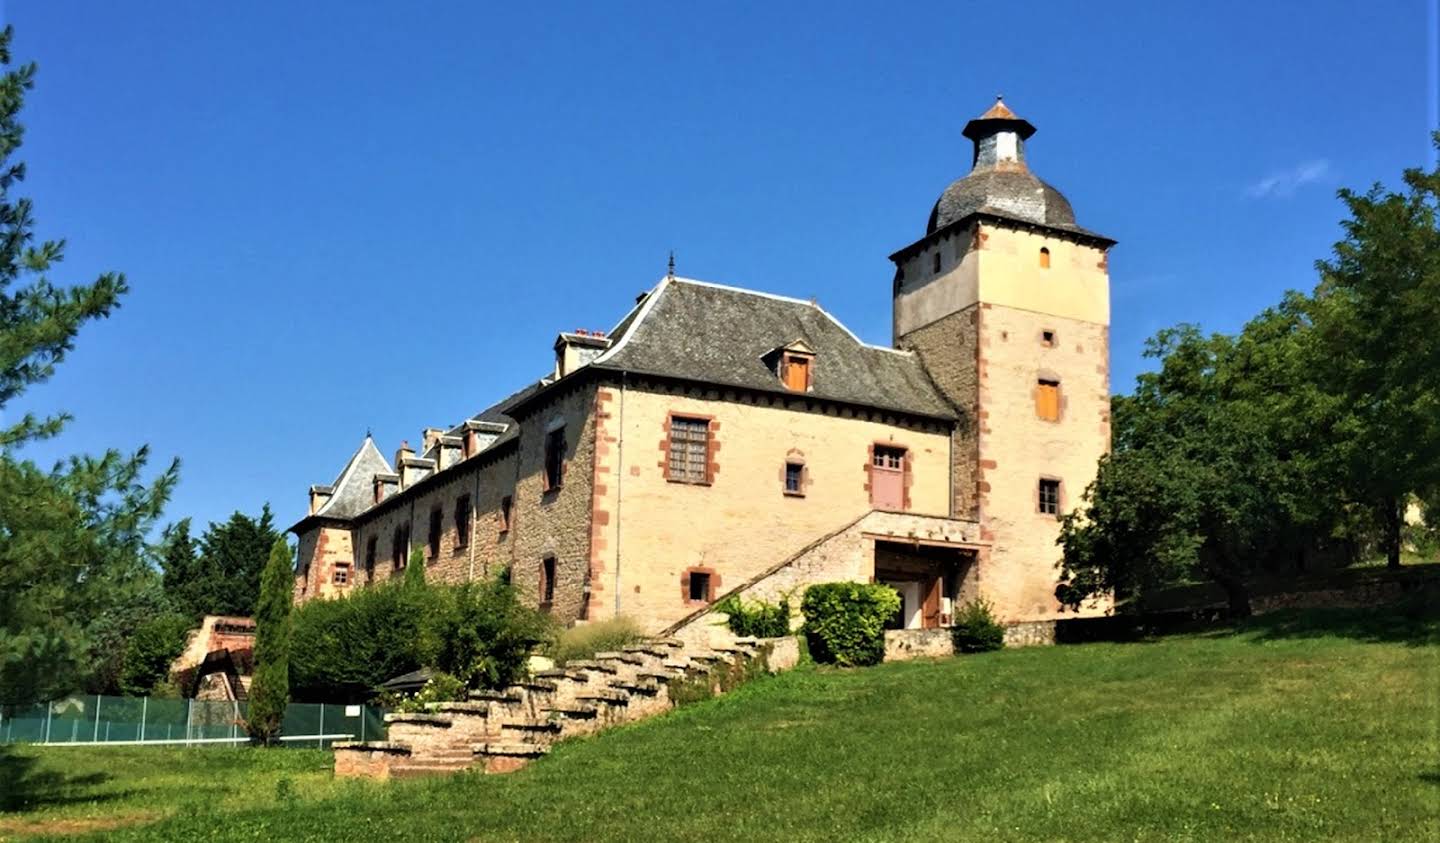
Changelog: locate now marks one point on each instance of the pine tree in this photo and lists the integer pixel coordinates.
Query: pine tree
(270, 689)
(72, 538)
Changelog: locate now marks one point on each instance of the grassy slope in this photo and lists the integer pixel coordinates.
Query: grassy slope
(1301, 727)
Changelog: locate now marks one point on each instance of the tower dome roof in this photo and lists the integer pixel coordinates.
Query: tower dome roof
(1000, 182)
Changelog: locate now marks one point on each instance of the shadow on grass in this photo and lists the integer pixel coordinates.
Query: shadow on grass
(24, 788)
(1413, 622)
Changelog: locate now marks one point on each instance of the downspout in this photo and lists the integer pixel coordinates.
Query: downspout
(619, 488)
(474, 508)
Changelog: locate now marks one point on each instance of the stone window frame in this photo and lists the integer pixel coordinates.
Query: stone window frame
(712, 444)
(400, 547)
(552, 476)
(464, 515)
(1047, 378)
(506, 513)
(712, 586)
(798, 358)
(341, 574)
(907, 467)
(1059, 495)
(794, 457)
(372, 549)
(545, 589)
(434, 536)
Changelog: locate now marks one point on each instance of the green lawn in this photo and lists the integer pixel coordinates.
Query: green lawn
(1312, 726)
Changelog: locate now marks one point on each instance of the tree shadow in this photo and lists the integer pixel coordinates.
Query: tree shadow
(23, 787)
(1431, 776)
(1413, 622)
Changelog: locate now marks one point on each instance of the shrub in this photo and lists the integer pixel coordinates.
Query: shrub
(345, 648)
(442, 687)
(484, 634)
(845, 621)
(758, 619)
(583, 642)
(270, 689)
(152, 648)
(976, 629)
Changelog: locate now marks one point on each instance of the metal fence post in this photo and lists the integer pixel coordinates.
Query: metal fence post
(47, 722)
(320, 738)
(189, 711)
(144, 709)
(95, 735)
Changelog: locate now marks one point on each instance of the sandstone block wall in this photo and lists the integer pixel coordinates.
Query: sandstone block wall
(742, 522)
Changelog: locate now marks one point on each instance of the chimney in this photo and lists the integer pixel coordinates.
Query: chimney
(404, 452)
(319, 496)
(429, 437)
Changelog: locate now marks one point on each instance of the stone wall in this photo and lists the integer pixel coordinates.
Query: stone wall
(741, 522)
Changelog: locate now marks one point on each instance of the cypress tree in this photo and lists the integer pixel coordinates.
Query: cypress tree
(415, 570)
(270, 690)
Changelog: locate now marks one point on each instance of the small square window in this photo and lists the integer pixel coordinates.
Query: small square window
(794, 478)
(1049, 497)
(699, 587)
(342, 574)
(1047, 339)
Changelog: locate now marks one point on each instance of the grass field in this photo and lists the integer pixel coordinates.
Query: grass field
(1305, 727)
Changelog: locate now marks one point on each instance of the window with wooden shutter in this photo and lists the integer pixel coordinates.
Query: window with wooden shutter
(689, 459)
(887, 478)
(1047, 400)
(796, 375)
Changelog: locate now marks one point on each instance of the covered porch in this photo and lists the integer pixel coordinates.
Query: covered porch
(932, 578)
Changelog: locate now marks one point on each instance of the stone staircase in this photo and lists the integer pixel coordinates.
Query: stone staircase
(500, 731)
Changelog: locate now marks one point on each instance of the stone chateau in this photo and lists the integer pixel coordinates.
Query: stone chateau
(721, 440)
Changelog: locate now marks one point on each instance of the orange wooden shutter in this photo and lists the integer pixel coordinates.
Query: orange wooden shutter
(1047, 401)
(797, 374)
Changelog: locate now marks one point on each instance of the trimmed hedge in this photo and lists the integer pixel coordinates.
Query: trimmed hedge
(845, 621)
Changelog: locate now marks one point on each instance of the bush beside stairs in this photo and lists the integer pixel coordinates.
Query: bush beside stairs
(500, 731)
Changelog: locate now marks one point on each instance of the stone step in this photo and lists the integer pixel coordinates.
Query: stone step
(590, 665)
(662, 676)
(618, 656)
(416, 718)
(504, 696)
(471, 709)
(561, 674)
(507, 757)
(671, 643)
(608, 697)
(537, 686)
(747, 639)
(573, 712)
(648, 650)
(648, 689)
(531, 731)
(417, 769)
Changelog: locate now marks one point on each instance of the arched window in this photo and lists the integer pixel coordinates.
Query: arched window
(1044, 257)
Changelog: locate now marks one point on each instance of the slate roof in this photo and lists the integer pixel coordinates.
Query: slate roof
(722, 335)
(354, 488)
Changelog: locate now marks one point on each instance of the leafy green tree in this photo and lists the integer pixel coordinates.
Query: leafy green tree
(270, 688)
(151, 649)
(72, 538)
(344, 649)
(483, 634)
(1376, 311)
(415, 569)
(111, 631)
(219, 574)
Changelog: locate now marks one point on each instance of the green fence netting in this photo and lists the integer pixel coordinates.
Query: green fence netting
(99, 719)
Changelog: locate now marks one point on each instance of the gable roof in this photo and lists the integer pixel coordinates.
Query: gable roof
(722, 335)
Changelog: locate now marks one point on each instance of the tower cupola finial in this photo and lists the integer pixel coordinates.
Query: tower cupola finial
(999, 136)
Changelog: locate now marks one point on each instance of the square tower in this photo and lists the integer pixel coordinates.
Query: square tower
(1007, 303)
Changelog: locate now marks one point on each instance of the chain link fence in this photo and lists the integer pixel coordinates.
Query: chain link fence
(99, 719)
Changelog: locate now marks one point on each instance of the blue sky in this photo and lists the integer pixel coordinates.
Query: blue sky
(341, 216)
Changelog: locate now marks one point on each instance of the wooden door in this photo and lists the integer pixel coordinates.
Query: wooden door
(887, 478)
(930, 614)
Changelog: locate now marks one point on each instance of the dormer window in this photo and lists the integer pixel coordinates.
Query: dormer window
(794, 365)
